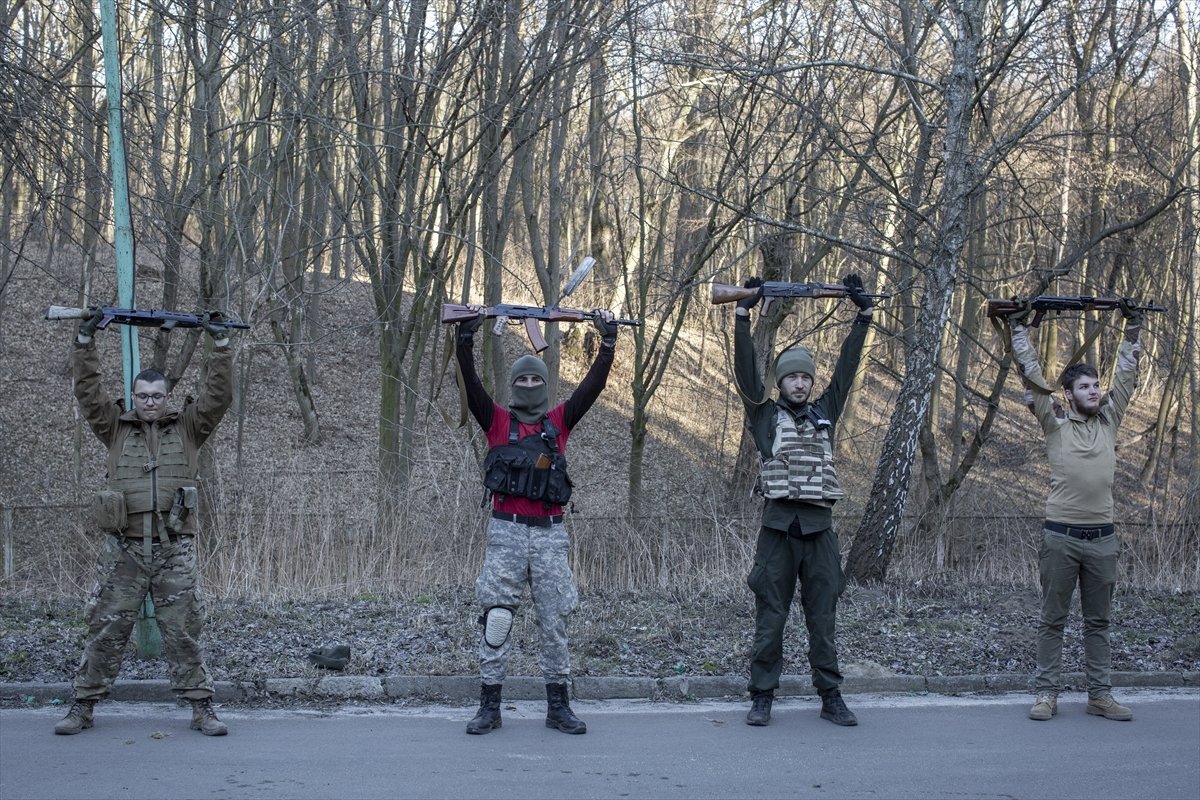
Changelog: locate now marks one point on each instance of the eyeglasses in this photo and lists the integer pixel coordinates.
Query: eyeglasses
(157, 397)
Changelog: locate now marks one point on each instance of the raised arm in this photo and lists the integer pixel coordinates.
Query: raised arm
(482, 407)
(1032, 378)
(97, 408)
(203, 416)
(589, 389)
(1125, 379)
(833, 400)
(745, 363)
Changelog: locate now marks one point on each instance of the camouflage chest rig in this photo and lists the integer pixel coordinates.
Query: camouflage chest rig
(801, 463)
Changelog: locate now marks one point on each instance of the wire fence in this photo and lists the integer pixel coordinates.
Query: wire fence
(257, 549)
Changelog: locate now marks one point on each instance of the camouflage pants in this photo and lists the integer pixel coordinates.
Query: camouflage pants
(123, 576)
(519, 555)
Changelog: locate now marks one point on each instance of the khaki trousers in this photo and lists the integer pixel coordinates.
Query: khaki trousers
(1064, 562)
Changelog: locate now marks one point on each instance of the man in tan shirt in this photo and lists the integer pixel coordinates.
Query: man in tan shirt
(1079, 545)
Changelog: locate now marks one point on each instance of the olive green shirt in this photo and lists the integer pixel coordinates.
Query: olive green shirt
(761, 416)
(1081, 450)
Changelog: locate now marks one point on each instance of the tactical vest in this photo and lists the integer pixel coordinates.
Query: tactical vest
(149, 485)
(801, 462)
(531, 467)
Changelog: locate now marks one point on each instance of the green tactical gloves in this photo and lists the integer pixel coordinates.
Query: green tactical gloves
(214, 328)
(89, 326)
(1020, 313)
(1130, 311)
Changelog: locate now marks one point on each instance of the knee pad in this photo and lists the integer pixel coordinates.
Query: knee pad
(497, 625)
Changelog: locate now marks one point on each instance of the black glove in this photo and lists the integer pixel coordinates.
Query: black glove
(467, 328)
(857, 294)
(1130, 311)
(88, 327)
(608, 330)
(751, 301)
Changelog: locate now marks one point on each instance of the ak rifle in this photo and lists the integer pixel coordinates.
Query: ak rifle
(775, 290)
(144, 318)
(530, 315)
(1043, 303)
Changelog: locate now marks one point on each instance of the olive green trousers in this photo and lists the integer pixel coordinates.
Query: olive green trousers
(1063, 563)
(779, 561)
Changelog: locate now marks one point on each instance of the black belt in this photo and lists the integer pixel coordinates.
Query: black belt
(537, 522)
(1079, 532)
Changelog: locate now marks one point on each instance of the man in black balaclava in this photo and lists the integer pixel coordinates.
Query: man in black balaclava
(527, 542)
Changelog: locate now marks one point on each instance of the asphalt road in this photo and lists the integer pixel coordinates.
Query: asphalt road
(904, 747)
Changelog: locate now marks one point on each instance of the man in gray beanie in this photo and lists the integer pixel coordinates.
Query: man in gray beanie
(795, 436)
(527, 543)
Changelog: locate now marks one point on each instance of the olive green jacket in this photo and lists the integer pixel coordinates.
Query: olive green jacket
(112, 424)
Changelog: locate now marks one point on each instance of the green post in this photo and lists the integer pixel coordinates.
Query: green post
(148, 641)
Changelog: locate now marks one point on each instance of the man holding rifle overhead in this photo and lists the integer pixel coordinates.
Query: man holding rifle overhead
(795, 437)
(527, 543)
(148, 513)
(1078, 544)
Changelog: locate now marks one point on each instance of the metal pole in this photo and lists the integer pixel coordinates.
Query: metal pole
(148, 641)
(8, 542)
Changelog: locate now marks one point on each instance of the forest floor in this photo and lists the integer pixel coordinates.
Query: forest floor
(918, 629)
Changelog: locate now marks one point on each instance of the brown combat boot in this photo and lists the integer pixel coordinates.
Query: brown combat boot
(1045, 706)
(1105, 706)
(78, 718)
(204, 719)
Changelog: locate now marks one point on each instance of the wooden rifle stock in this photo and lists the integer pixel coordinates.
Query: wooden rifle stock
(774, 290)
(529, 315)
(725, 293)
(453, 312)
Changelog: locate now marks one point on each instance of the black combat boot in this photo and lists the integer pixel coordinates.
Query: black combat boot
(558, 710)
(488, 717)
(760, 708)
(833, 708)
(77, 719)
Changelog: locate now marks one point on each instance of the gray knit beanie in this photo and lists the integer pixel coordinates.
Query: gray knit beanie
(795, 359)
(528, 364)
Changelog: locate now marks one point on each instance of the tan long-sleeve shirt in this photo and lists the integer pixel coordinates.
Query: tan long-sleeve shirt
(1081, 450)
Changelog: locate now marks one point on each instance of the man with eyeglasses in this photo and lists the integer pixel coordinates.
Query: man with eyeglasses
(147, 513)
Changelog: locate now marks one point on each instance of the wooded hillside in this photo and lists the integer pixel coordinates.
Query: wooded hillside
(333, 173)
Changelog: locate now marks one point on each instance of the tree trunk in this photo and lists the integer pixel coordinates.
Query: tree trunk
(883, 519)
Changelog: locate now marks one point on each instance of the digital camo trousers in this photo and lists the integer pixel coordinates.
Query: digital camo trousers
(123, 576)
(519, 555)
